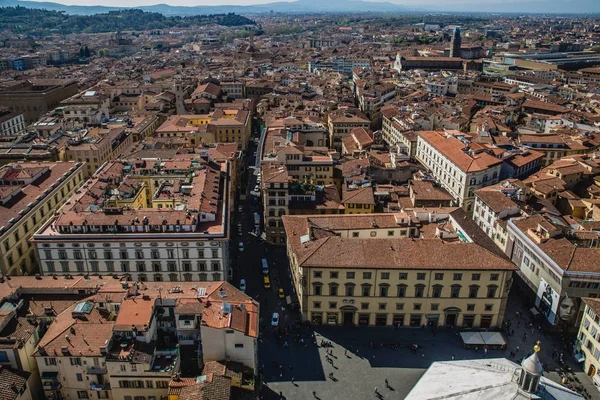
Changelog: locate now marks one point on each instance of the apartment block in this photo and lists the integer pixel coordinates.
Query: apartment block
(11, 123)
(96, 146)
(456, 166)
(375, 270)
(589, 339)
(557, 264)
(295, 180)
(30, 192)
(224, 125)
(495, 205)
(129, 340)
(341, 125)
(158, 220)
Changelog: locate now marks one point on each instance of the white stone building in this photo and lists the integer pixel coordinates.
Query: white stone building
(455, 166)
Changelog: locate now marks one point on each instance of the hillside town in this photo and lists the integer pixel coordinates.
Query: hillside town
(301, 206)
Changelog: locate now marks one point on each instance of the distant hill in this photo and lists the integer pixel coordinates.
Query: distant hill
(334, 6)
(300, 6)
(35, 21)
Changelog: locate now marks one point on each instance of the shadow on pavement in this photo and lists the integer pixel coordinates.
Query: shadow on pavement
(299, 361)
(385, 347)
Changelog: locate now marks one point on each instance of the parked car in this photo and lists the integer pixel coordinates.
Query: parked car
(275, 319)
(243, 285)
(240, 209)
(280, 293)
(241, 247)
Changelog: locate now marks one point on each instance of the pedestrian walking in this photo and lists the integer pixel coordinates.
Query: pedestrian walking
(453, 356)
(331, 375)
(315, 394)
(376, 391)
(517, 350)
(292, 380)
(280, 395)
(387, 385)
(485, 351)
(346, 353)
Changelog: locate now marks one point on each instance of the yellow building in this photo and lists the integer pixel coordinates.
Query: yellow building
(340, 126)
(371, 270)
(230, 125)
(29, 194)
(188, 127)
(98, 146)
(589, 338)
(221, 126)
(358, 200)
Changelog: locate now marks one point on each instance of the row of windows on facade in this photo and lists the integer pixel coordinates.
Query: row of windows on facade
(532, 256)
(139, 266)
(419, 290)
(587, 342)
(278, 202)
(174, 277)
(138, 254)
(400, 306)
(592, 329)
(421, 276)
(468, 320)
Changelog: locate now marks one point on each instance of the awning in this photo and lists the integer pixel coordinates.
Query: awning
(472, 338)
(493, 338)
(483, 338)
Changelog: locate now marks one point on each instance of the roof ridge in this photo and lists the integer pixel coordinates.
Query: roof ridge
(323, 241)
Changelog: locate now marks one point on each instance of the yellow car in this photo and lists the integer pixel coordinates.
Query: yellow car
(280, 293)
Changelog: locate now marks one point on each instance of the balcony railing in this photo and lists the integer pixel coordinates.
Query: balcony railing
(96, 370)
(99, 386)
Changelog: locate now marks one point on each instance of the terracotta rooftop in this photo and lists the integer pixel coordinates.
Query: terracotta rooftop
(382, 253)
(453, 149)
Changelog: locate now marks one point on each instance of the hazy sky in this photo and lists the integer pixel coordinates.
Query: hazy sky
(133, 3)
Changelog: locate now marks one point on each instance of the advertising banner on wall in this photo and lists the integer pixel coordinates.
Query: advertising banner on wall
(567, 311)
(547, 301)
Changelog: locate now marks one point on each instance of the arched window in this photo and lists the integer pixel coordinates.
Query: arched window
(333, 289)
(384, 289)
(419, 290)
(350, 289)
(473, 290)
(455, 291)
(401, 290)
(492, 290)
(317, 288)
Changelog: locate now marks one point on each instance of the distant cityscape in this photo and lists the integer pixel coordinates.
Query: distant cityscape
(296, 205)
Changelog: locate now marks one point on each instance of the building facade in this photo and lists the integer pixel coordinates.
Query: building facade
(456, 167)
(369, 270)
(589, 338)
(31, 192)
(161, 220)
